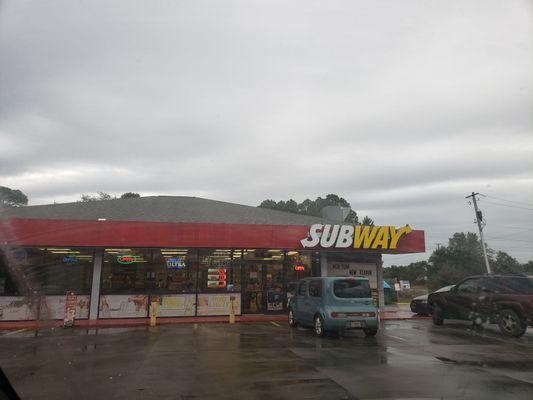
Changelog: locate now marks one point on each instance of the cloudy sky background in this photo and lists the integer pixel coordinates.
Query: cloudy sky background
(403, 108)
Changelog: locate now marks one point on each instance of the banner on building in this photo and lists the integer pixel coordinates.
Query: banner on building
(218, 303)
(123, 306)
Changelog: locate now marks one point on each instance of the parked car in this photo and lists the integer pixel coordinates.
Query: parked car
(419, 305)
(503, 299)
(334, 304)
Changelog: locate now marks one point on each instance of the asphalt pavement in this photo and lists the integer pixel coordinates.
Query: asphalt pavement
(406, 360)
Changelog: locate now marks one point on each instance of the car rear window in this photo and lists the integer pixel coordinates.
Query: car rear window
(351, 289)
(517, 285)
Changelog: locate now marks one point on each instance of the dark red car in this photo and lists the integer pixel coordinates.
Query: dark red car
(503, 299)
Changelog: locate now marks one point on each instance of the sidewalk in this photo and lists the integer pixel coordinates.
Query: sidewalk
(393, 312)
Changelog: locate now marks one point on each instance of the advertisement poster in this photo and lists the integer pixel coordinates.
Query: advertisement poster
(218, 303)
(18, 308)
(274, 300)
(70, 309)
(123, 306)
(366, 270)
(176, 305)
(53, 307)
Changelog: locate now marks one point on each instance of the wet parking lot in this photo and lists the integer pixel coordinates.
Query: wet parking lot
(406, 360)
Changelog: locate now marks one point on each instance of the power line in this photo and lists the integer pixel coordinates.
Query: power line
(509, 201)
(508, 205)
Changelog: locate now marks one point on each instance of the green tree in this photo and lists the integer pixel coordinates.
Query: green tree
(130, 195)
(99, 197)
(12, 197)
(505, 264)
(461, 258)
(314, 207)
(414, 272)
(528, 267)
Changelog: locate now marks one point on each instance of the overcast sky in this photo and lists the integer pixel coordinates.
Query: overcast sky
(401, 107)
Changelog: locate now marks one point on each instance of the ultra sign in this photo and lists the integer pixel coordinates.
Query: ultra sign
(358, 237)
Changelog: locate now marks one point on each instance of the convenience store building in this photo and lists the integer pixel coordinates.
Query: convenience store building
(189, 254)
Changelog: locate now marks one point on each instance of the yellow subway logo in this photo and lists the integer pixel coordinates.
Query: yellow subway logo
(358, 237)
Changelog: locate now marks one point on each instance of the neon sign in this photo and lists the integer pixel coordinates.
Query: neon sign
(127, 259)
(175, 263)
(299, 268)
(70, 259)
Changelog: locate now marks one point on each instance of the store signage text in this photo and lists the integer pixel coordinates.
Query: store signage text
(70, 259)
(358, 237)
(175, 263)
(127, 259)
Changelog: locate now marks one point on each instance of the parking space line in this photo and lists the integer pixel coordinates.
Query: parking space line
(275, 323)
(14, 332)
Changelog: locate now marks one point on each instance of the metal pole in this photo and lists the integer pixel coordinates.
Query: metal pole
(478, 220)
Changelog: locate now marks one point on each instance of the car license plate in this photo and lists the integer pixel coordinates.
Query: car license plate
(355, 324)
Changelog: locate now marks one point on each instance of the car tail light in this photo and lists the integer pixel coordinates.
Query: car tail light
(352, 314)
(338, 315)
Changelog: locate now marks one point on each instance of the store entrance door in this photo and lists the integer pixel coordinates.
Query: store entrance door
(253, 289)
(263, 289)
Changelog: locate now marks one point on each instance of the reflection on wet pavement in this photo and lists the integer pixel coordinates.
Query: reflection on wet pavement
(408, 359)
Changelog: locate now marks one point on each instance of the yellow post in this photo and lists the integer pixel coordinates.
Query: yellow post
(153, 312)
(232, 310)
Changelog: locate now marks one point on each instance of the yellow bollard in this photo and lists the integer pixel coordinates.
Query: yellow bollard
(232, 310)
(153, 312)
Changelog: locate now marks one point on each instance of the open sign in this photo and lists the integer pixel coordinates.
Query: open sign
(299, 267)
(127, 259)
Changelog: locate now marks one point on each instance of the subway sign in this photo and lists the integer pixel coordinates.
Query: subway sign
(358, 237)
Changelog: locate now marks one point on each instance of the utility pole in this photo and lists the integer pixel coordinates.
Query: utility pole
(479, 218)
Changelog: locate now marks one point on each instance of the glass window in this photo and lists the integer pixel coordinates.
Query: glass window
(351, 288)
(161, 270)
(519, 285)
(302, 290)
(469, 286)
(298, 265)
(216, 271)
(49, 271)
(315, 288)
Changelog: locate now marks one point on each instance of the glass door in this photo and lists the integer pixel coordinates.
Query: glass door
(253, 288)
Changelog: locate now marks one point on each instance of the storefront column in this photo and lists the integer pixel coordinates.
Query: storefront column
(379, 276)
(95, 289)
(323, 264)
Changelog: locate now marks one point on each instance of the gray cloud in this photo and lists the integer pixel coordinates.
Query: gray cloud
(403, 109)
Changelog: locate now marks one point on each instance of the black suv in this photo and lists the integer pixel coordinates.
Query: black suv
(503, 299)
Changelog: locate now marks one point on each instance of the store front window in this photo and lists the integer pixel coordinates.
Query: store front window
(48, 271)
(149, 271)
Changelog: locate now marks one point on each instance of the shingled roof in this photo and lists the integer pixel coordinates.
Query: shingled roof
(162, 209)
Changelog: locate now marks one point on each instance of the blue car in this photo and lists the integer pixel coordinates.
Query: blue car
(334, 304)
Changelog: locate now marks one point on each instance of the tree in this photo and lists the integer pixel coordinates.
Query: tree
(314, 207)
(130, 195)
(505, 264)
(461, 258)
(99, 197)
(414, 272)
(528, 267)
(12, 197)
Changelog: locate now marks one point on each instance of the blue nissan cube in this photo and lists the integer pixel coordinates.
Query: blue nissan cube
(334, 304)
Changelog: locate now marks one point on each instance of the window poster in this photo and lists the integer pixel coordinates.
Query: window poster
(18, 308)
(218, 303)
(53, 307)
(176, 305)
(365, 270)
(123, 306)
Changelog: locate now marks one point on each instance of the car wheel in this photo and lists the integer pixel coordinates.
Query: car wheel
(319, 326)
(438, 318)
(292, 320)
(511, 324)
(370, 332)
